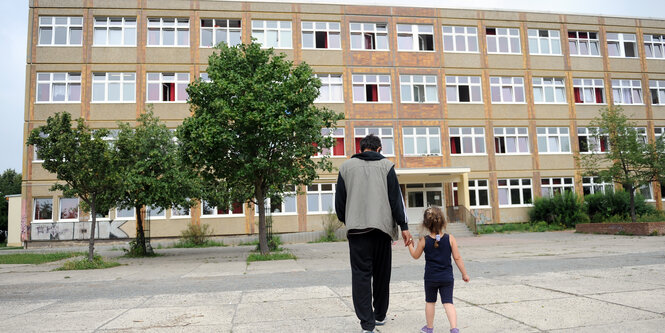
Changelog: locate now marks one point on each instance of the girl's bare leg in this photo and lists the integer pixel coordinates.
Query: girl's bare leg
(451, 313)
(429, 314)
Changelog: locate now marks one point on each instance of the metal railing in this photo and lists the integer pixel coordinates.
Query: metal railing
(459, 214)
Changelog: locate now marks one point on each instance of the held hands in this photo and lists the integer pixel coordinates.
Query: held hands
(406, 235)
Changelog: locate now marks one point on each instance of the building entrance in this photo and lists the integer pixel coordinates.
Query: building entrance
(421, 196)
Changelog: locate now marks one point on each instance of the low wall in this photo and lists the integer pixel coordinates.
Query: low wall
(637, 228)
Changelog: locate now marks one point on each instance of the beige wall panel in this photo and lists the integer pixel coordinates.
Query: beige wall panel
(417, 111)
(458, 13)
(483, 215)
(635, 112)
(320, 8)
(220, 15)
(169, 68)
(476, 163)
(653, 24)
(60, 7)
(557, 161)
(167, 55)
(586, 63)
(38, 173)
(226, 225)
(67, 55)
(478, 175)
(583, 27)
(471, 60)
(54, 67)
(323, 57)
(538, 17)
(165, 227)
(656, 66)
(549, 123)
(511, 123)
(457, 21)
(514, 215)
(43, 111)
(513, 162)
(337, 107)
(465, 123)
(113, 111)
(659, 113)
(315, 222)
(464, 111)
(114, 55)
(369, 111)
(588, 111)
(367, 10)
(42, 189)
(370, 58)
(204, 54)
(581, 19)
(418, 59)
(501, 15)
(501, 61)
(626, 22)
(549, 111)
(113, 68)
(266, 14)
(117, 9)
(625, 65)
(167, 4)
(220, 5)
(284, 223)
(547, 62)
(167, 13)
(557, 173)
(414, 12)
(422, 162)
(171, 111)
(321, 18)
(287, 52)
(115, 4)
(509, 111)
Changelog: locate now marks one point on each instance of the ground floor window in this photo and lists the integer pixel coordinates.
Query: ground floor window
(591, 185)
(515, 192)
(320, 198)
(550, 187)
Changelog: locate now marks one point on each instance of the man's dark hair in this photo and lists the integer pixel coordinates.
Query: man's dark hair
(370, 142)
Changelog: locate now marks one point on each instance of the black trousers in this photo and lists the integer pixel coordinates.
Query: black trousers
(371, 260)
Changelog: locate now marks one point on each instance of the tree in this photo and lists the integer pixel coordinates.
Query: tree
(10, 183)
(630, 161)
(149, 165)
(254, 128)
(81, 160)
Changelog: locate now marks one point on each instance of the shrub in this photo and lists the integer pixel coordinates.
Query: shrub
(564, 209)
(330, 226)
(97, 263)
(196, 234)
(615, 206)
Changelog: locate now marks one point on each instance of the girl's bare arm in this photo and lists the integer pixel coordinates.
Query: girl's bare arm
(416, 252)
(458, 259)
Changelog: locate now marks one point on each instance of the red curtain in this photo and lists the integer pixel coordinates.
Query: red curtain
(599, 95)
(578, 95)
(454, 145)
(236, 208)
(338, 149)
(358, 145)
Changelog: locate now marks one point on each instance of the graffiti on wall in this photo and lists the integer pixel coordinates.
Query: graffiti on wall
(481, 216)
(77, 230)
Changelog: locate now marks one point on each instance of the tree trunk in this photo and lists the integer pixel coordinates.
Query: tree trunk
(91, 245)
(140, 233)
(263, 239)
(631, 189)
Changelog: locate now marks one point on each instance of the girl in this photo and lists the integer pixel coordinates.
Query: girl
(438, 248)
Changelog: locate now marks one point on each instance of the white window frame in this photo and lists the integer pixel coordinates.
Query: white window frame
(380, 80)
(544, 42)
(419, 83)
(149, 211)
(621, 40)
(468, 136)
(319, 193)
(658, 132)
(643, 190)
(522, 185)
(260, 29)
(653, 45)
(330, 83)
(73, 23)
(67, 79)
(591, 43)
(216, 213)
(589, 89)
(164, 77)
(60, 212)
(473, 85)
(560, 135)
(513, 135)
(475, 186)
(548, 188)
(180, 216)
(657, 91)
(510, 35)
(641, 133)
(552, 90)
(34, 209)
(289, 193)
(178, 26)
(105, 24)
(513, 83)
(377, 31)
(431, 135)
(332, 30)
(621, 87)
(594, 185)
(228, 31)
(123, 80)
(338, 133)
(593, 139)
(386, 134)
(415, 32)
(454, 37)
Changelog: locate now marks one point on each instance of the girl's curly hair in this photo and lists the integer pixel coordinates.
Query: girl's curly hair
(434, 221)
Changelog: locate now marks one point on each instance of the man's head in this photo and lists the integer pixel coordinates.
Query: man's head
(370, 142)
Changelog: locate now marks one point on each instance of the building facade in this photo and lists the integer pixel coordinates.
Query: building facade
(483, 110)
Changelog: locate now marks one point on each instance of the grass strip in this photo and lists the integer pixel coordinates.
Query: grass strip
(187, 244)
(518, 227)
(82, 264)
(254, 256)
(36, 258)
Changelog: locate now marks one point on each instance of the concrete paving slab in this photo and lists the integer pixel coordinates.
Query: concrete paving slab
(650, 274)
(11, 308)
(274, 266)
(178, 329)
(579, 285)
(504, 294)
(287, 294)
(654, 325)
(193, 299)
(342, 324)
(172, 317)
(217, 269)
(650, 300)
(81, 321)
(294, 309)
(95, 304)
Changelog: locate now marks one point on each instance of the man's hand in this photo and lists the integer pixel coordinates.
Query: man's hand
(406, 235)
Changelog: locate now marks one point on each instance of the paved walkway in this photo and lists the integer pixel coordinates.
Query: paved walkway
(532, 282)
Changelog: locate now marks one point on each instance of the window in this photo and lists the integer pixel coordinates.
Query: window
(654, 46)
(320, 198)
(179, 212)
(621, 45)
(155, 212)
(369, 36)
(657, 89)
(371, 88)
(418, 88)
(589, 91)
(124, 213)
(503, 40)
(460, 39)
(658, 132)
(69, 209)
(467, 140)
(275, 34)
(514, 192)
(236, 209)
(332, 90)
(591, 141)
(511, 140)
(583, 43)
(507, 89)
(421, 141)
(384, 133)
(167, 87)
(591, 185)
(550, 187)
(414, 37)
(168, 31)
(114, 87)
(58, 87)
(544, 42)
(215, 31)
(321, 35)
(60, 31)
(338, 148)
(479, 193)
(646, 191)
(641, 133)
(285, 205)
(549, 90)
(463, 89)
(43, 208)
(627, 92)
(35, 156)
(114, 31)
(553, 140)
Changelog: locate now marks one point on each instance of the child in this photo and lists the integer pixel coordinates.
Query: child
(438, 248)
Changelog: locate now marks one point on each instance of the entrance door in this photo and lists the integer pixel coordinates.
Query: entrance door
(421, 196)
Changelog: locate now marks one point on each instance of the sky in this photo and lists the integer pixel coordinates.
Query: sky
(13, 39)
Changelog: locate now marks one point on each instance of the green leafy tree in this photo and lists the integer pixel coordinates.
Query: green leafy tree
(10, 183)
(254, 128)
(81, 160)
(630, 161)
(151, 171)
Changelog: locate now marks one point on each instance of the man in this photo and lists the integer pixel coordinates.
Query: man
(369, 201)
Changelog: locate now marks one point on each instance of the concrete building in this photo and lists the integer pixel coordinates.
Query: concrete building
(481, 110)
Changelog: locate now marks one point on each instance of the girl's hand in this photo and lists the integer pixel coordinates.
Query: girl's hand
(466, 278)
